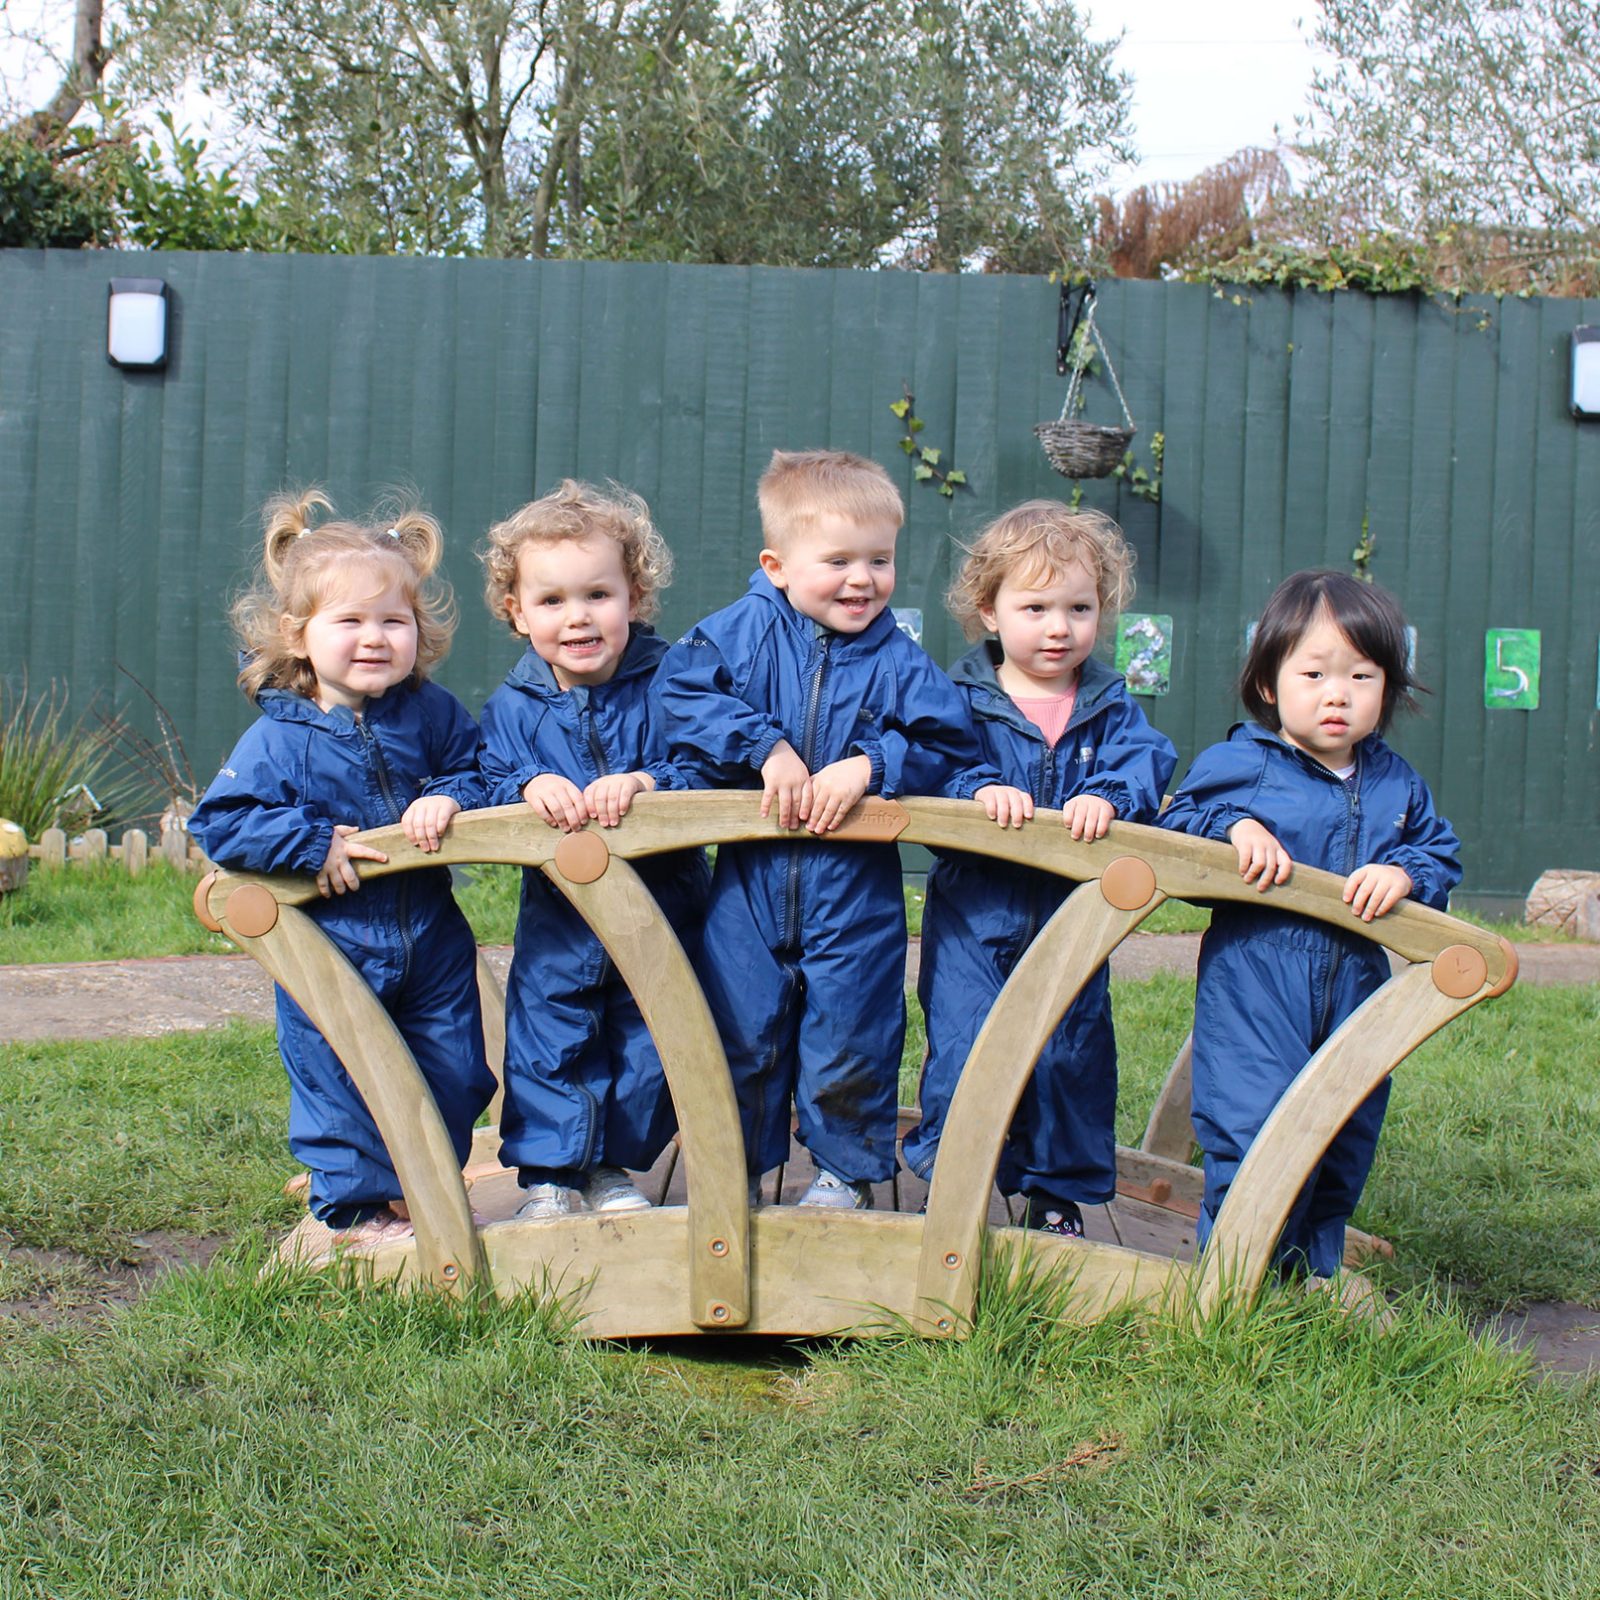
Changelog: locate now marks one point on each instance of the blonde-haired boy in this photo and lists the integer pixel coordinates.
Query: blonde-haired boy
(806, 690)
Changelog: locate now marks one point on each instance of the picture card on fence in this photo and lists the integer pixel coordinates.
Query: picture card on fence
(1511, 669)
(1144, 652)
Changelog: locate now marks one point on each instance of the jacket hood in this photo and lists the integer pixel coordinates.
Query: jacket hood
(283, 705)
(533, 674)
(765, 590)
(979, 669)
(1368, 749)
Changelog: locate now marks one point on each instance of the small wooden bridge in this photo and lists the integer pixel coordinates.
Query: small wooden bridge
(714, 1263)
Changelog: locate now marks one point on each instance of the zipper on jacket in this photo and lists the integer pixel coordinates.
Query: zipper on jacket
(602, 768)
(593, 1126)
(1044, 792)
(402, 892)
(1352, 834)
(602, 765)
(809, 727)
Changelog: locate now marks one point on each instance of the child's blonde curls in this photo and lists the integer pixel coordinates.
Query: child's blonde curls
(1034, 543)
(576, 510)
(301, 567)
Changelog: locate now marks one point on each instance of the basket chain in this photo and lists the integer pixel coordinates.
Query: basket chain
(1080, 365)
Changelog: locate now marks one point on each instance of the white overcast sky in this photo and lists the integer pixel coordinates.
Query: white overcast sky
(1210, 76)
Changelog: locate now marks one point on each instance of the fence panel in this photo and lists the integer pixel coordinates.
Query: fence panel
(1291, 420)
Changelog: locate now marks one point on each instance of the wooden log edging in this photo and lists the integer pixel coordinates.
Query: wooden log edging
(782, 1270)
(55, 851)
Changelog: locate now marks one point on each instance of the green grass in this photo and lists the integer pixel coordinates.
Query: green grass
(235, 1438)
(106, 1140)
(96, 912)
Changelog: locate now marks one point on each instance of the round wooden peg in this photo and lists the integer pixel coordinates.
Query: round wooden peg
(202, 903)
(1459, 971)
(582, 857)
(1128, 883)
(251, 910)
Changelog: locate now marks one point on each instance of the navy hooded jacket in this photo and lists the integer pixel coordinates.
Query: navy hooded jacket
(982, 914)
(1272, 985)
(584, 1084)
(803, 962)
(296, 773)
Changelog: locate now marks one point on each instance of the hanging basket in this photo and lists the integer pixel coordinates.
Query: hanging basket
(1083, 449)
(1075, 448)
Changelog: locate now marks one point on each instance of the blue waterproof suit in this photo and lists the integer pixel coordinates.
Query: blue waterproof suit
(297, 771)
(982, 914)
(1274, 986)
(804, 957)
(584, 1084)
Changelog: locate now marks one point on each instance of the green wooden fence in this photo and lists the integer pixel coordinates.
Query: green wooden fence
(128, 502)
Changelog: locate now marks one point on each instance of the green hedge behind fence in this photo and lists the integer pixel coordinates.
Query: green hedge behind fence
(128, 501)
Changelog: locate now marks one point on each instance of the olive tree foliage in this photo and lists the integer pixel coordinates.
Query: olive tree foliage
(1438, 115)
(815, 132)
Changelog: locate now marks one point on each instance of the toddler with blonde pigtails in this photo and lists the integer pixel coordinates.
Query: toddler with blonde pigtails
(339, 633)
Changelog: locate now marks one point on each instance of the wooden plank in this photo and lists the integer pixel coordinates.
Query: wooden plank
(1185, 867)
(1507, 581)
(704, 554)
(301, 958)
(728, 465)
(814, 1272)
(23, 334)
(1196, 717)
(1169, 1132)
(626, 919)
(1309, 403)
(492, 1002)
(1346, 491)
(1363, 1051)
(135, 851)
(1066, 954)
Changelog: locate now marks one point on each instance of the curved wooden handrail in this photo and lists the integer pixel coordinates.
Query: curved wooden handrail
(1123, 877)
(1186, 868)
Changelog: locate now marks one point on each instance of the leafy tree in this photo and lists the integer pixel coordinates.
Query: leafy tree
(46, 204)
(1469, 125)
(787, 131)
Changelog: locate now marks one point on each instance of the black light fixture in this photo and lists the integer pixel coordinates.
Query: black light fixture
(1586, 372)
(136, 324)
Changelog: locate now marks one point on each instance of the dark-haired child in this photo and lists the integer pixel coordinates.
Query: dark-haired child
(1309, 780)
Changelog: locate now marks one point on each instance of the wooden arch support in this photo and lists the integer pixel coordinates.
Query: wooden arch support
(716, 1265)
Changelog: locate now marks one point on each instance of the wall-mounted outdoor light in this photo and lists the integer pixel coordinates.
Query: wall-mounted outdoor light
(136, 326)
(1586, 372)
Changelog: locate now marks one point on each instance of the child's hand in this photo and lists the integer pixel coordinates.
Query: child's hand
(558, 800)
(427, 818)
(1370, 891)
(1005, 805)
(1088, 816)
(834, 790)
(1262, 860)
(337, 874)
(607, 799)
(786, 779)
